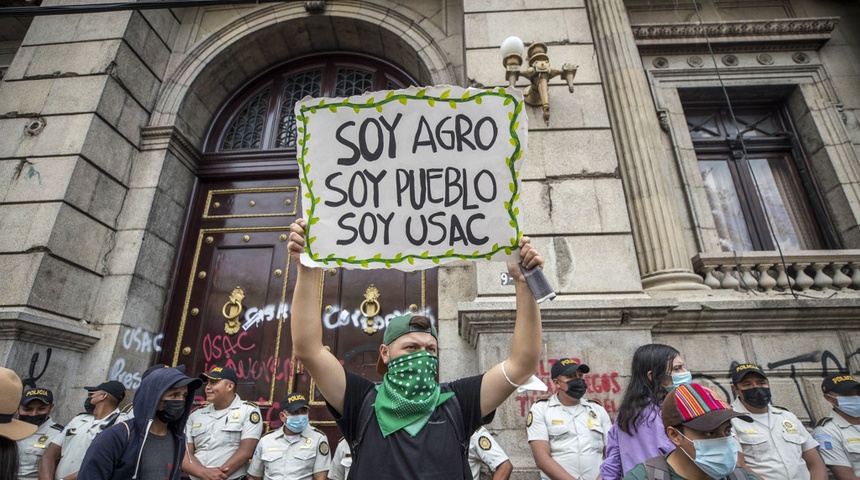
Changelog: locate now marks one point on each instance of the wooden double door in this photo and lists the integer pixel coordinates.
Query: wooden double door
(230, 304)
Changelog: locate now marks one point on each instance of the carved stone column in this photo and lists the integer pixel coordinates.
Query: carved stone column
(663, 261)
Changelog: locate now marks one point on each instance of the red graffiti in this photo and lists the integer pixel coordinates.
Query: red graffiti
(220, 346)
(603, 382)
(251, 368)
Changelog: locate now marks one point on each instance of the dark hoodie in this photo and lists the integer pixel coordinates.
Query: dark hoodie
(115, 453)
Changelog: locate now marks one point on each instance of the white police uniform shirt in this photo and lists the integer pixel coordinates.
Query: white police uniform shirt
(216, 433)
(483, 448)
(341, 461)
(774, 449)
(31, 449)
(577, 435)
(76, 438)
(838, 442)
(290, 457)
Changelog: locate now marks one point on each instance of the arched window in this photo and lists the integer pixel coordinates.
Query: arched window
(261, 118)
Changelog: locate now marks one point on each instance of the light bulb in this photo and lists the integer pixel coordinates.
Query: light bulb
(512, 45)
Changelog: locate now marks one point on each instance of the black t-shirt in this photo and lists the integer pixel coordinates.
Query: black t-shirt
(433, 454)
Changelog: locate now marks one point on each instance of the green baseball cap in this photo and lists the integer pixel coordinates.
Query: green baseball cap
(399, 326)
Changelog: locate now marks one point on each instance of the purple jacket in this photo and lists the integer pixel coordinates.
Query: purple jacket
(623, 451)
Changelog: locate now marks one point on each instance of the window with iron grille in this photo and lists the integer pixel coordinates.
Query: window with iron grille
(261, 117)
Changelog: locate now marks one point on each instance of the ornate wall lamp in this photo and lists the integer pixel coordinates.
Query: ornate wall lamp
(539, 72)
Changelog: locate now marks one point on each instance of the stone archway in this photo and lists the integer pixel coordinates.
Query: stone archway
(249, 45)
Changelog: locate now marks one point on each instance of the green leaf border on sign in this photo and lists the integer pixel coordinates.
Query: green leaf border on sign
(304, 117)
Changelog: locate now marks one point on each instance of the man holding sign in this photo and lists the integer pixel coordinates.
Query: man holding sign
(409, 179)
(415, 427)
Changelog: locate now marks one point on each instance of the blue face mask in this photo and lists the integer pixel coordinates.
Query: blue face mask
(849, 405)
(681, 378)
(297, 423)
(717, 457)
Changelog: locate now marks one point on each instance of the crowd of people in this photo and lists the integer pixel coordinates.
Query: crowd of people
(412, 427)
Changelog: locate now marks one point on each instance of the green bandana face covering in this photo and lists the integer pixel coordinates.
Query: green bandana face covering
(409, 393)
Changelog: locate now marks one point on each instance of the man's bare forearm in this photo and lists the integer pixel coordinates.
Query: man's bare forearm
(305, 327)
(526, 343)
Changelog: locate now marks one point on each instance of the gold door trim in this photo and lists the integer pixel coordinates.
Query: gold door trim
(291, 213)
(192, 277)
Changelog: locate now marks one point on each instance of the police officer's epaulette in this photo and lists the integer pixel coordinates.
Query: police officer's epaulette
(126, 408)
(82, 413)
(318, 430)
(58, 426)
(253, 404)
(199, 406)
(274, 430)
(780, 407)
(591, 400)
(541, 400)
(823, 421)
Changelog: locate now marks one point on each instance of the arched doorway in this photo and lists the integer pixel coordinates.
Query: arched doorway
(234, 280)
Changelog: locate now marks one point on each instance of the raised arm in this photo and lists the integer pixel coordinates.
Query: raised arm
(522, 362)
(306, 325)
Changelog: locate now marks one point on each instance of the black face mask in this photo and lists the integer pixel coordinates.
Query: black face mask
(173, 410)
(576, 388)
(88, 406)
(757, 397)
(34, 419)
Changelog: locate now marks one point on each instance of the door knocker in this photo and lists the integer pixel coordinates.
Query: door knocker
(370, 308)
(232, 310)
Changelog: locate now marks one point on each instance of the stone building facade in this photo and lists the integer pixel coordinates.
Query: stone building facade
(660, 222)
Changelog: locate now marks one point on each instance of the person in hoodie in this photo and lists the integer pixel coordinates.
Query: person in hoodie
(151, 445)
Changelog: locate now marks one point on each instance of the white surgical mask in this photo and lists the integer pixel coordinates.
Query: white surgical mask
(849, 405)
(717, 457)
(681, 378)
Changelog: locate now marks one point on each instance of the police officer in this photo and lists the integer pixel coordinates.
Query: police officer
(566, 432)
(838, 435)
(295, 452)
(776, 446)
(223, 433)
(35, 408)
(341, 461)
(483, 448)
(71, 444)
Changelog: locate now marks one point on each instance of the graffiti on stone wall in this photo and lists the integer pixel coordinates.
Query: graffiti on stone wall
(135, 341)
(602, 387)
(32, 377)
(829, 362)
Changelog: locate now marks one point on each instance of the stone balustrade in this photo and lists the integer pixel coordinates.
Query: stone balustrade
(768, 272)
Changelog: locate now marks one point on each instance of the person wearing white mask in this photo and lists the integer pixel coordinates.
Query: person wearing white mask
(838, 435)
(297, 451)
(699, 425)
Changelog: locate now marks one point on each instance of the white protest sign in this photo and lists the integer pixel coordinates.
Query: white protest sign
(409, 179)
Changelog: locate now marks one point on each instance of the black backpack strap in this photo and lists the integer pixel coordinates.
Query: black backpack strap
(109, 421)
(657, 468)
(454, 412)
(365, 414)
